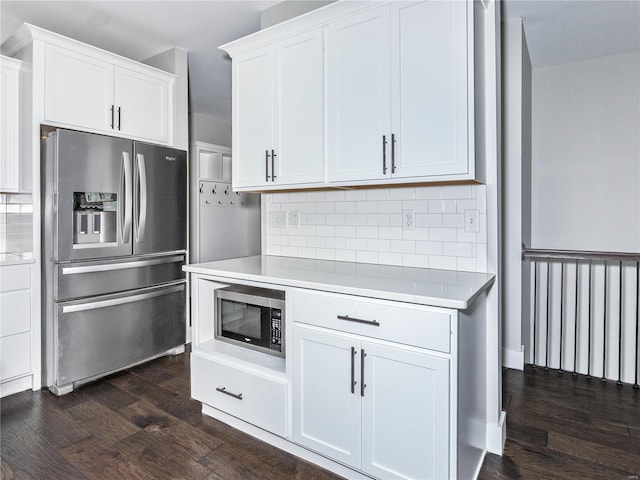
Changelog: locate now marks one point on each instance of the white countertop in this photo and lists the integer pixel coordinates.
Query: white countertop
(425, 286)
(16, 258)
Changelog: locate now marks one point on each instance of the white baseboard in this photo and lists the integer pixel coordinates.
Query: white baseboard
(497, 435)
(513, 358)
(18, 385)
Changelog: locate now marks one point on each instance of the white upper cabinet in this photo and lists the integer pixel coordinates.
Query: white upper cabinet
(356, 94)
(398, 104)
(9, 121)
(278, 114)
(91, 92)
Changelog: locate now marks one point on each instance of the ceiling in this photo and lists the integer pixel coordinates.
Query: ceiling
(557, 31)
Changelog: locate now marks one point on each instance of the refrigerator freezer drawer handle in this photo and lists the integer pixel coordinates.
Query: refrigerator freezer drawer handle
(120, 266)
(120, 301)
(128, 198)
(142, 219)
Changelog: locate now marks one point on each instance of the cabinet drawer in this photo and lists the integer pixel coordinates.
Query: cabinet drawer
(15, 312)
(15, 356)
(14, 278)
(250, 397)
(416, 325)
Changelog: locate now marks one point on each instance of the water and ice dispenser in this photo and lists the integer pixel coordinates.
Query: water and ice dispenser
(94, 218)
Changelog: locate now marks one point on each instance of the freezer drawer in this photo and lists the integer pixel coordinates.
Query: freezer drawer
(83, 279)
(104, 334)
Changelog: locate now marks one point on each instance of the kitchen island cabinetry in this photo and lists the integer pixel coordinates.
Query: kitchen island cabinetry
(85, 89)
(278, 113)
(386, 380)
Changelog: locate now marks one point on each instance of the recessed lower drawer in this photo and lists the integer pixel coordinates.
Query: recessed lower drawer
(15, 355)
(250, 397)
(408, 324)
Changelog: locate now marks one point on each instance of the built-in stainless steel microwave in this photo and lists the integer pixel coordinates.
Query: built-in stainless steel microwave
(252, 317)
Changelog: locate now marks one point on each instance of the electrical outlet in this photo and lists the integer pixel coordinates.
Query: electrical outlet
(408, 219)
(277, 219)
(292, 219)
(471, 221)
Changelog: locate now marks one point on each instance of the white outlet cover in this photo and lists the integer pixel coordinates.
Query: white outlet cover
(471, 221)
(277, 219)
(408, 220)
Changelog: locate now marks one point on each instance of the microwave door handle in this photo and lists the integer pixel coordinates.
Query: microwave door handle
(128, 198)
(142, 219)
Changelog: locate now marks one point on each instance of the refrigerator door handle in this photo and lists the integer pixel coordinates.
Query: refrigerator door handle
(121, 266)
(142, 219)
(128, 198)
(121, 301)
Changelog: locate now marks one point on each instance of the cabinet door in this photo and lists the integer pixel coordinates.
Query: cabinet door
(300, 95)
(326, 415)
(405, 414)
(9, 141)
(358, 95)
(429, 88)
(143, 105)
(78, 89)
(254, 118)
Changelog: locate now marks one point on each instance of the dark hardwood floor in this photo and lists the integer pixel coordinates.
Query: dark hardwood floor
(564, 427)
(142, 424)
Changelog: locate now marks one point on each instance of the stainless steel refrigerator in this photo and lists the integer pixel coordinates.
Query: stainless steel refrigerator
(114, 243)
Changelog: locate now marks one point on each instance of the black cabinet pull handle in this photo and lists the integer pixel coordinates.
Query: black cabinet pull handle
(224, 390)
(112, 116)
(266, 165)
(273, 168)
(393, 153)
(353, 370)
(362, 384)
(375, 323)
(119, 120)
(384, 154)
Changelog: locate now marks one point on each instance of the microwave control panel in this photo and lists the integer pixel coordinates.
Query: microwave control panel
(276, 329)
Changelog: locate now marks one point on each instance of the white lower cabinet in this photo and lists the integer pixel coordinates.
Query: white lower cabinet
(252, 397)
(378, 408)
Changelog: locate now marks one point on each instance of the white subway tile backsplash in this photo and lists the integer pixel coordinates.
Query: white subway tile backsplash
(346, 231)
(378, 219)
(403, 246)
(402, 193)
(378, 194)
(345, 207)
(356, 243)
(390, 233)
(355, 195)
(336, 243)
(346, 255)
(378, 245)
(443, 263)
(365, 226)
(429, 248)
(456, 249)
(428, 220)
(442, 206)
(428, 193)
(335, 219)
(391, 206)
(453, 220)
(367, 207)
(326, 231)
(443, 234)
(366, 257)
(366, 232)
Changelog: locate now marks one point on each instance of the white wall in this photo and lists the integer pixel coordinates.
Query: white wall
(204, 128)
(586, 155)
(516, 189)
